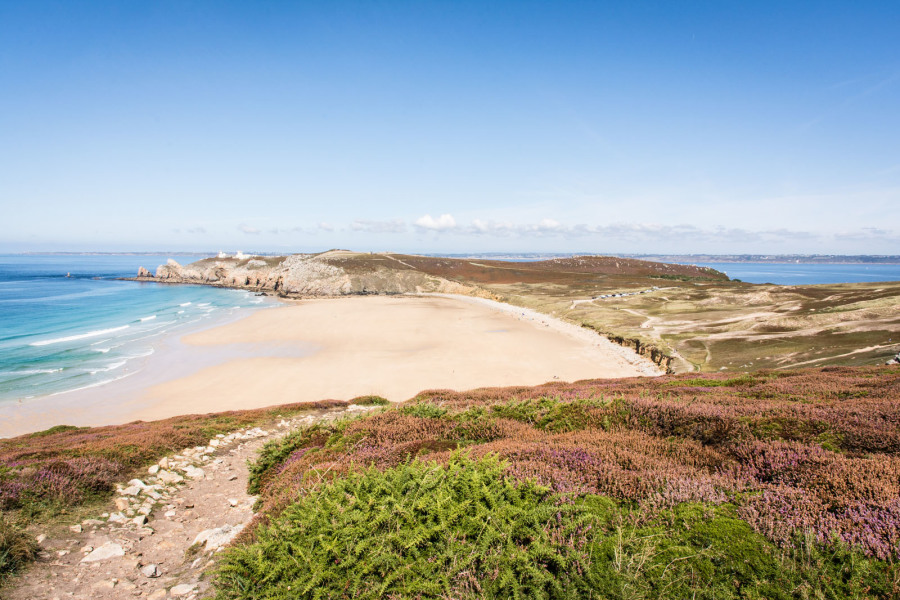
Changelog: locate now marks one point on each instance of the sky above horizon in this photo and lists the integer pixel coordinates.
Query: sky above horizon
(655, 127)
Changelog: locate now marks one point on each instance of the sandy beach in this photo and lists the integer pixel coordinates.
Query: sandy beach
(342, 348)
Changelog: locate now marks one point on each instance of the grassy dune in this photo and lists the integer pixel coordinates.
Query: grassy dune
(767, 485)
(696, 316)
(684, 317)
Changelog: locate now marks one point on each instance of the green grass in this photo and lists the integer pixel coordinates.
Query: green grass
(16, 548)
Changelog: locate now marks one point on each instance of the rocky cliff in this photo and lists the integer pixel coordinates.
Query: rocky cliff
(333, 273)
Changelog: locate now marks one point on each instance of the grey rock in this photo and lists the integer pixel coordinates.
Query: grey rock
(105, 552)
(183, 589)
(213, 539)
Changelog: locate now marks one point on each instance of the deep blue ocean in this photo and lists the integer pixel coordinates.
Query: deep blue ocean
(59, 332)
(806, 274)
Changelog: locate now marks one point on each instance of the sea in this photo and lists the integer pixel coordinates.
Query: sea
(806, 274)
(67, 322)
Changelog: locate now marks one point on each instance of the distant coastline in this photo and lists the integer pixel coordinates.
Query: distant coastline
(836, 259)
(850, 259)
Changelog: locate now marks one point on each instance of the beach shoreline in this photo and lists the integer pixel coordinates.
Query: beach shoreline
(340, 348)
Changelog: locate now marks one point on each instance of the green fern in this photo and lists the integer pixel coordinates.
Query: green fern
(418, 530)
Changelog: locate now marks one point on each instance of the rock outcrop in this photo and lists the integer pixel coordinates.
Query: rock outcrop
(333, 273)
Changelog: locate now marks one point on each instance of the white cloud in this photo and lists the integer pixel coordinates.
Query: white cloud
(326, 227)
(249, 230)
(443, 223)
(634, 232)
(369, 226)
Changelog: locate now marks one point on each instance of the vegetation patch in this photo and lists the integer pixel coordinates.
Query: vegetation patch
(52, 471)
(16, 548)
(422, 529)
(770, 485)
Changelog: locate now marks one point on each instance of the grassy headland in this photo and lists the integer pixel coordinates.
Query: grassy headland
(684, 317)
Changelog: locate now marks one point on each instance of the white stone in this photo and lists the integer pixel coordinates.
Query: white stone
(153, 470)
(138, 483)
(87, 549)
(157, 595)
(183, 589)
(194, 472)
(150, 571)
(213, 539)
(169, 514)
(122, 503)
(232, 502)
(117, 517)
(139, 520)
(40, 538)
(104, 552)
(133, 490)
(75, 528)
(163, 463)
(170, 477)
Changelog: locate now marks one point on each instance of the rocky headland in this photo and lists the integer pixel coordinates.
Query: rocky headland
(333, 273)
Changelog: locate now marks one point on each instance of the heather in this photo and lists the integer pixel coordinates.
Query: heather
(52, 471)
(771, 484)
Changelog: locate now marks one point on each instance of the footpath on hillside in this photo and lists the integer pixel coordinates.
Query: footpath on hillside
(159, 537)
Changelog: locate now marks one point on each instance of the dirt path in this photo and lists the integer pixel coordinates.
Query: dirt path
(119, 555)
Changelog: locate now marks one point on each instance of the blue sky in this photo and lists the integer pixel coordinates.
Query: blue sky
(763, 127)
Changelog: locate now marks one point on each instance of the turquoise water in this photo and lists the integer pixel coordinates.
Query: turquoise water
(807, 274)
(60, 333)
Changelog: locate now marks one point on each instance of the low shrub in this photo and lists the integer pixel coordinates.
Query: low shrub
(420, 530)
(16, 548)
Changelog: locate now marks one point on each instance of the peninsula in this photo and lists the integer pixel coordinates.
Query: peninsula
(682, 317)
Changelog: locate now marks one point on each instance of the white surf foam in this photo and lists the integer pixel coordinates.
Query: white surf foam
(31, 371)
(71, 338)
(93, 385)
(111, 367)
(150, 318)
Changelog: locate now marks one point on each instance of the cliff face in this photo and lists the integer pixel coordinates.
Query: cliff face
(306, 275)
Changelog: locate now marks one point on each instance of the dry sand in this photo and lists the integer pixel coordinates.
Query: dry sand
(342, 348)
(391, 347)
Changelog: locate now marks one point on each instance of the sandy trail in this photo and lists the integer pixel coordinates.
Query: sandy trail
(213, 500)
